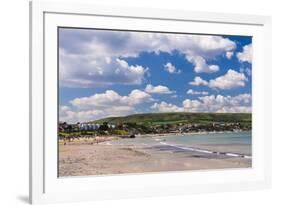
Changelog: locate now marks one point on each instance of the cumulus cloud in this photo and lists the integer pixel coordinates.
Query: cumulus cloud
(102, 105)
(169, 67)
(236, 104)
(136, 97)
(192, 92)
(90, 58)
(166, 107)
(231, 79)
(73, 116)
(192, 106)
(198, 81)
(111, 98)
(70, 116)
(111, 103)
(159, 89)
(229, 54)
(201, 65)
(86, 71)
(219, 103)
(246, 54)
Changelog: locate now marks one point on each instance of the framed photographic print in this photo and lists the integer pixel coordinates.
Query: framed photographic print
(128, 102)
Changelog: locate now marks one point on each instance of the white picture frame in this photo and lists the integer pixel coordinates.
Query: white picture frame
(46, 187)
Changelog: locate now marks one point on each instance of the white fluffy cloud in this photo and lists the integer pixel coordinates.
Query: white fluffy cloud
(90, 57)
(237, 104)
(232, 79)
(198, 81)
(101, 105)
(246, 54)
(87, 71)
(201, 65)
(169, 67)
(192, 92)
(73, 116)
(159, 89)
(166, 107)
(110, 104)
(219, 103)
(111, 98)
(229, 54)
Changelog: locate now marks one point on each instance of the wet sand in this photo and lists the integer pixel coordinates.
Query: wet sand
(87, 158)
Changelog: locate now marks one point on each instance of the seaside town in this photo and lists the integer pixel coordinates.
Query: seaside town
(130, 130)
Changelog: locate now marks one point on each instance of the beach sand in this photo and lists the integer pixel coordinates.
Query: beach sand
(84, 159)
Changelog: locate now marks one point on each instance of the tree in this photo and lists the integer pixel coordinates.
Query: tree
(104, 126)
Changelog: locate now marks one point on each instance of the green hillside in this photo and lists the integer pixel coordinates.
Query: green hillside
(179, 117)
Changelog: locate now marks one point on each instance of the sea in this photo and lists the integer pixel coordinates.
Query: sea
(228, 144)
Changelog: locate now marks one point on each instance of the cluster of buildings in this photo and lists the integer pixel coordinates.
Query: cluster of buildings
(185, 128)
(84, 126)
(88, 127)
(91, 127)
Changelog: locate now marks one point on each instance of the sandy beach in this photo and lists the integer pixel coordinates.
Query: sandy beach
(84, 158)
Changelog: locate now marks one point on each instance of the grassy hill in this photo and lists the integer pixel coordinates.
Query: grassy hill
(179, 117)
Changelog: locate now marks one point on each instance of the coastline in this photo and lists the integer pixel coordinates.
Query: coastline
(107, 138)
(84, 157)
(192, 133)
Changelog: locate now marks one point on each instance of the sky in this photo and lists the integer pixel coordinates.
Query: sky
(104, 73)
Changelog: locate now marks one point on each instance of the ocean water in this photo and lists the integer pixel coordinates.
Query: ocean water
(231, 143)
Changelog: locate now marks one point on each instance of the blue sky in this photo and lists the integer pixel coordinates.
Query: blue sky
(106, 73)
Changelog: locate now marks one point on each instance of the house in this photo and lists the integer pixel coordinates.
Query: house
(111, 126)
(89, 126)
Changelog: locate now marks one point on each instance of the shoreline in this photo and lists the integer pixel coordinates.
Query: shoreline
(99, 159)
(193, 133)
(105, 140)
(208, 151)
(160, 134)
(98, 156)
